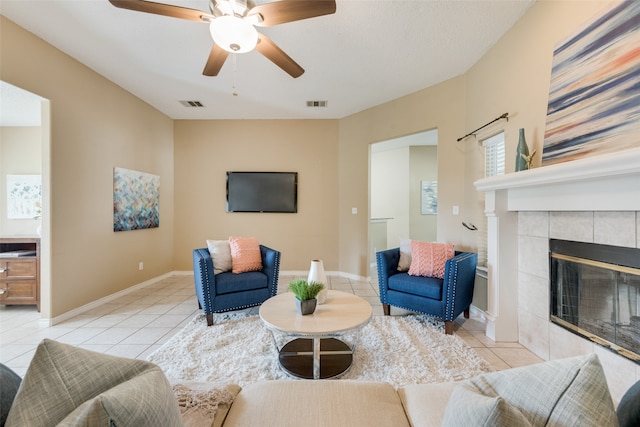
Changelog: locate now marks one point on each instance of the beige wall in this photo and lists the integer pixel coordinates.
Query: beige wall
(424, 167)
(206, 150)
(439, 107)
(514, 77)
(20, 154)
(95, 126)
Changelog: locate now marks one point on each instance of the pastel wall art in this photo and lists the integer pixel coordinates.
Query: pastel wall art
(136, 200)
(24, 196)
(594, 97)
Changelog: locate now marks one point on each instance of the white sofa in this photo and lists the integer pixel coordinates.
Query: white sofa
(69, 386)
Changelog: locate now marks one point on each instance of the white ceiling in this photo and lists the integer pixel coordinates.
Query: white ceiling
(367, 53)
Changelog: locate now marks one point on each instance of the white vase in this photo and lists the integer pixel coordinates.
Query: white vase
(317, 274)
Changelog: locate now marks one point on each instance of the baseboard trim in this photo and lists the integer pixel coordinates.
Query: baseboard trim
(46, 322)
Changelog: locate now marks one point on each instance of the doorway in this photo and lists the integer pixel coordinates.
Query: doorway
(25, 141)
(403, 174)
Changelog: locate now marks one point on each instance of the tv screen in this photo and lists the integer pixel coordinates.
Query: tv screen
(262, 192)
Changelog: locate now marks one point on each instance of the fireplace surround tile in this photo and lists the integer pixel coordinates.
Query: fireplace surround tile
(569, 225)
(533, 333)
(533, 255)
(618, 370)
(615, 228)
(533, 294)
(566, 344)
(534, 224)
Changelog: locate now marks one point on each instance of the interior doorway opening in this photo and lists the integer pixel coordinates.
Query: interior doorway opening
(25, 150)
(403, 178)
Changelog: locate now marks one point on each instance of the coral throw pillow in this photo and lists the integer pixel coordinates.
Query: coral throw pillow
(428, 259)
(245, 254)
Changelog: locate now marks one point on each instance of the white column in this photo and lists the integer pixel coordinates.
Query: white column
(502, 263)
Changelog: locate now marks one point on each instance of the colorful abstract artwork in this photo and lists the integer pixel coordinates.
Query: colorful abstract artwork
(136, 200)
(594, 98)
(24, 196)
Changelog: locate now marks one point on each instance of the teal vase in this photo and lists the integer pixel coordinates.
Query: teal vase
(522, 153)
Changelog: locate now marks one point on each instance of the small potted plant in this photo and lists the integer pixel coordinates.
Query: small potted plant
(306, 294)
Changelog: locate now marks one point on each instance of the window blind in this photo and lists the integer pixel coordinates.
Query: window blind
(494, 160)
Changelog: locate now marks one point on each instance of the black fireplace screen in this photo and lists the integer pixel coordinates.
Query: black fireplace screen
(595, 292)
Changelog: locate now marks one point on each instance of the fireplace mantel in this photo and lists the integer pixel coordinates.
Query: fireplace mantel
(609, 182)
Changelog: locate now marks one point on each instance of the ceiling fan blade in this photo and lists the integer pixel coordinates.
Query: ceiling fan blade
(163, 9)
(279, 12)
(276, 55)
(215, 62)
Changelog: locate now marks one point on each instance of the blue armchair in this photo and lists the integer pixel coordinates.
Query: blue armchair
(228, 291)
(443, 298)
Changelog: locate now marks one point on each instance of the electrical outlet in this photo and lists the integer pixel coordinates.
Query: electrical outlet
(456, 210)
(354, 211)
(141, 265)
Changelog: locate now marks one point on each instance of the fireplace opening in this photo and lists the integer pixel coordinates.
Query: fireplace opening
(595, 293)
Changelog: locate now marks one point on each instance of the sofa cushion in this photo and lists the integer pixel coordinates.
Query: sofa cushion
(227, 283)
(429, 259)
(9, 384)
(482, 410)
(562, 392)
(245, 254)
(220, 252)
(430, 287)
(425, 404)
(318, 403)
(73, 386)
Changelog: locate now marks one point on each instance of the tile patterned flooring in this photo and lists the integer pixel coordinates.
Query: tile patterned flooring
(138, 323)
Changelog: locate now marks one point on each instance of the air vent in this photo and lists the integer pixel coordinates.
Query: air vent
(315, 104)
(196, 104)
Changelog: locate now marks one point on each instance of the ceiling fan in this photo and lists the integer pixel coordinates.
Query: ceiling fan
(232, 24)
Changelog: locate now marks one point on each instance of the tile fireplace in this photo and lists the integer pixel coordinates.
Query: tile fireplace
(595, 293)
(593, 200)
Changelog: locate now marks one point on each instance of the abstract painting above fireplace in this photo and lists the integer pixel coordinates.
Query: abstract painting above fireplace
(595, 293)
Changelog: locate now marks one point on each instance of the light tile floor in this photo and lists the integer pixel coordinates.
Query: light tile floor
(137, 324)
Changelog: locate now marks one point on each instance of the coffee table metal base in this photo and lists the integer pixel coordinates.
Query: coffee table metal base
(316, 358)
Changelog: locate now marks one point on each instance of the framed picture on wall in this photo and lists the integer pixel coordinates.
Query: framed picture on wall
(136, 200)
(429, 197)
(24, 196)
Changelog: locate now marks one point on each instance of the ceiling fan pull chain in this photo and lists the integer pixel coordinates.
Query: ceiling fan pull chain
(235, 69)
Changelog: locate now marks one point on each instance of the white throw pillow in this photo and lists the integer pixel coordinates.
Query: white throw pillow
(220, 251)
(405, 255)
(564, 392)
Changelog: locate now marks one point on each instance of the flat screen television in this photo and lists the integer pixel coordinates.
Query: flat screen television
(262, 192)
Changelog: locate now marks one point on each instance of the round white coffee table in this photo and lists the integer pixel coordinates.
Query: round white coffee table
(315, 347)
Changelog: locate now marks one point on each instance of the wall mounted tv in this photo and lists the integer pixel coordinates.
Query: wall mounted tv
(262, 192)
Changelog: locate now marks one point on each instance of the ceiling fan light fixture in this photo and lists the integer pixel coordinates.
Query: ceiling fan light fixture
(233, 34)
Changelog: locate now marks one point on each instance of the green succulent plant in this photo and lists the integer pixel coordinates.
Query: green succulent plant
(305, 291)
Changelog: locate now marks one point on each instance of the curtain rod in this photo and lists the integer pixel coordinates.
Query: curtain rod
(504, 116)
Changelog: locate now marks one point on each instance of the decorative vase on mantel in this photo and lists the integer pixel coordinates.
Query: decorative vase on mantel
(317, 274)
(523, 161)
(307, 306)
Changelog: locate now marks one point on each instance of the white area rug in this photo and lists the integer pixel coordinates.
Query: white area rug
(397, 349)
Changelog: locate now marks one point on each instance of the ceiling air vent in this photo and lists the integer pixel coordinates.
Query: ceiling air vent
(315, 104)
(196, 104)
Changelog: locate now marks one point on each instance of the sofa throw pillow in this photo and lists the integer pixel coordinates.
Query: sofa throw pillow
(74, 387)
(429, 259)
(405, 255)
(9, 385)
(562, 392)
(245, 254)
(220, 252)
(475, 409)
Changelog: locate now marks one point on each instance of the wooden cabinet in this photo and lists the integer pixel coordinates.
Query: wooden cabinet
(20, 271)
